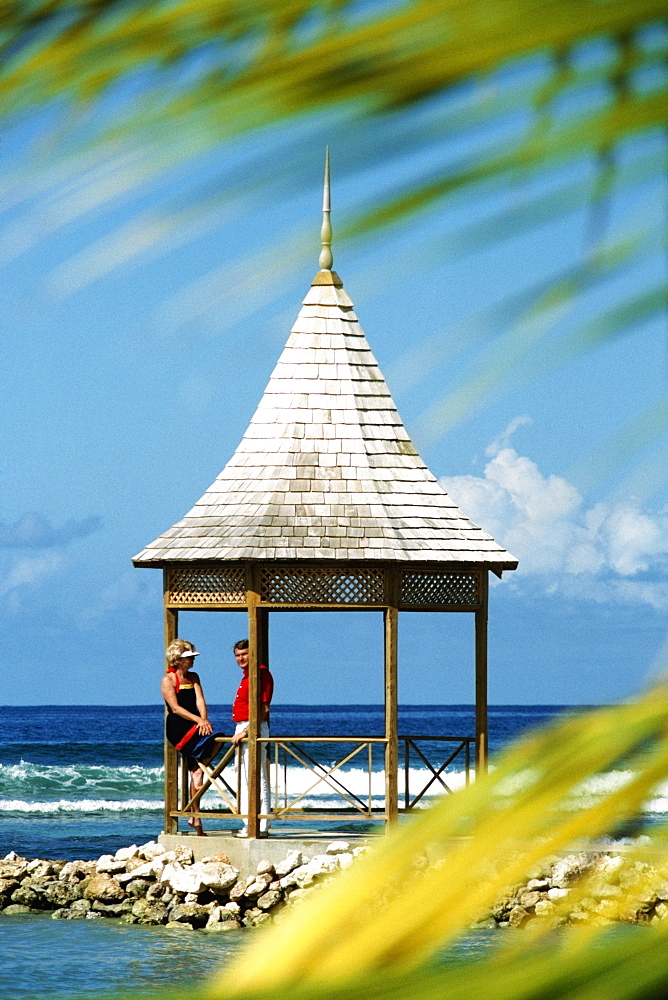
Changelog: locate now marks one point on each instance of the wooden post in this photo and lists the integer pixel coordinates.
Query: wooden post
(254, 641)
(391, 623)
(481, 728)
(169, 753)
(263, 636)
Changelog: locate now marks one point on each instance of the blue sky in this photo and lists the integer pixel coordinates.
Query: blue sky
(135, 350)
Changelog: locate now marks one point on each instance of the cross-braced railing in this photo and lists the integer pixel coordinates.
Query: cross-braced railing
(455, 746)
(331, 777)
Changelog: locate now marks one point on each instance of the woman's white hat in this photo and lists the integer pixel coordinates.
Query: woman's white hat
(187, 653)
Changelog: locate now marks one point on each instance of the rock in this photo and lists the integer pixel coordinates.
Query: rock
(40, 869)
(251, 916)
(190, 913)
(67, 914)
(81, 905)
(298, 894)
(151, 850)
(233, 908)
(126, 853)
(557, 893)
(13, 856)
(7, 886)
(529, 899)
(147, 869)
(182, 854)
(138, 887)
(606, 891)
(269, 899)
(24, 896)
(113, 909)
(76, 871)
(15, 908)
(265, 868)
(94, 915)
(345, 860)
(155, 890)
(176, 925)
(105, 888)
(59, 894)
(149, 911)
(544, 907)
(237, 891)
(538, 885)
(108, 865)
(220, 857)
(256, 886)
(661, 910)
(359, 851)
(214, 875)
(571, 868)
(293, 860)
(338, 847)
(222, 927)
(220, 914)
(321, 864)
(518, 916)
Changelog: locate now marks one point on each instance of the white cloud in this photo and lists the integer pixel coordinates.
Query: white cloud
(544, 521)
(128, 590)
(30, 571)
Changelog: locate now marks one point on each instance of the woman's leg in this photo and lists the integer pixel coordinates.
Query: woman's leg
(196, 781)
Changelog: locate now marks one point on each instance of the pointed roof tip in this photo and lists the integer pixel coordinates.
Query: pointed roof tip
(326, 258)
(326, 277)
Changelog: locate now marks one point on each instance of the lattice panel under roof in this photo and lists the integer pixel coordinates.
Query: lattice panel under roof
(206, 585)
(301, 585)
(440, 588)
(326, 469)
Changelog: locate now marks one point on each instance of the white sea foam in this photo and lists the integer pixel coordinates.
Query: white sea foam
(79, 805)
(42, 789)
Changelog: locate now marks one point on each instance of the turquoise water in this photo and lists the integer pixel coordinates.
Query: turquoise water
(42, 957)
(78, 782)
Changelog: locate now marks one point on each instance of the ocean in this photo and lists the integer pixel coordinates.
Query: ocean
(80, 781)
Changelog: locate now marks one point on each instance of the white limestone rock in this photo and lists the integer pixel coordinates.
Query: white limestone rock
(292, 861)
(338, 847)
(108, 865)
(214, 875)
(321, 864)
(151, 850)
(126, 853)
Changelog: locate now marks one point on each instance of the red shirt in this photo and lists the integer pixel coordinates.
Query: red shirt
(240, 710)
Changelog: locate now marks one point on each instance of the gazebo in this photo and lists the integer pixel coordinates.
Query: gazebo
(326, 505)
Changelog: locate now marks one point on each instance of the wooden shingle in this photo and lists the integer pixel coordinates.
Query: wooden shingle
(326, 468)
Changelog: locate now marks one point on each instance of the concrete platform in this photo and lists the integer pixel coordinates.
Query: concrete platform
(246, 854)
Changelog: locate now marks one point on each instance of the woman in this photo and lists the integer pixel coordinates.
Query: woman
(187, 725)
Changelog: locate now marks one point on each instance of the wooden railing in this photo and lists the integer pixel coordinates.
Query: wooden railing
(433, 754)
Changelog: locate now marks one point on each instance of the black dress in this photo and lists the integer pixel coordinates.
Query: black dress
(184, 734)
(176, 727)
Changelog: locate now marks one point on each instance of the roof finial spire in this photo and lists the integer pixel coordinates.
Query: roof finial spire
(326, 259)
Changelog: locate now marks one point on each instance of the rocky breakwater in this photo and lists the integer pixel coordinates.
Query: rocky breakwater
(596, 888)
(150, 885)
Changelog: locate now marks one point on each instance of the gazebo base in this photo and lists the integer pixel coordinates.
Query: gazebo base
(247, 854)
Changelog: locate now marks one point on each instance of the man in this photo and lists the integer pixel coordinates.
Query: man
(240, 714)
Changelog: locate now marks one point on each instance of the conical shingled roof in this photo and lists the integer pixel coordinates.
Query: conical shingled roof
(326, 469)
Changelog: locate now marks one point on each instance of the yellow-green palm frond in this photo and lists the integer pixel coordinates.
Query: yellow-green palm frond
(390, 913)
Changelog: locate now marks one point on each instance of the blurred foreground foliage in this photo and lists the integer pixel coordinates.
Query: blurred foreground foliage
(496, 118)
(379, 929)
